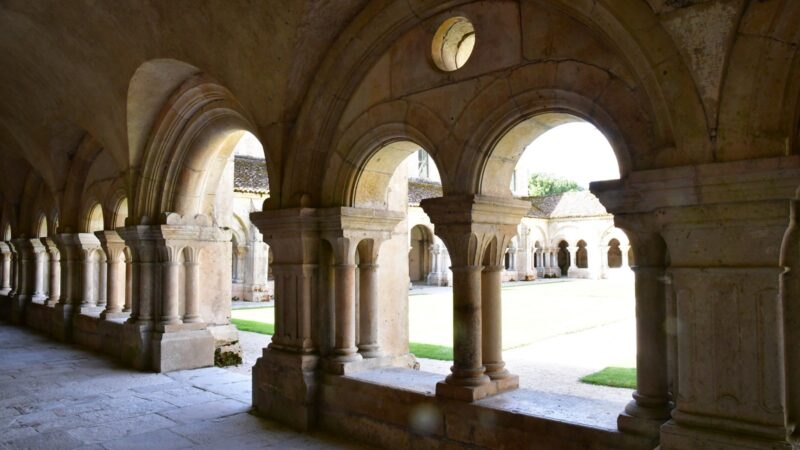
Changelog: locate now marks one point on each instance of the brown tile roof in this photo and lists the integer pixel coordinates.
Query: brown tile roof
(568, 204)
(250, 175)
(419, 189)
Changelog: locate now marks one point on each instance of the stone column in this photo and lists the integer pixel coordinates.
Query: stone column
(88, 271)
(114, 292)
(467, 369)
(102, 279)
(726, 229)
(573, 265)
(87, 248)
(492, 309)
(63, 311)
(54, 294)
(544, 256)
(467, 225)
(285, 377)
(344, 346)
(492, 327)
(170, 287)
(129, 283)
(163, 341)
(143, 310)
(5, 281)
(192, 265)
(21, 295)
(368, 309)
(39, 260)
(113, 245)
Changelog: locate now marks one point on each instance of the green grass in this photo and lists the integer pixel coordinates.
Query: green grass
(255, 327)
(431, 351)
(621, 377)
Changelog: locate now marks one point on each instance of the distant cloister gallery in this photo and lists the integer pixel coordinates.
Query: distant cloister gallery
(119, 121)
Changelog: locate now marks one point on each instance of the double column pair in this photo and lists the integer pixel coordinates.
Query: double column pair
(355, 232)
(118, 273)
(476, 230)
(6, 258)
(155, 303)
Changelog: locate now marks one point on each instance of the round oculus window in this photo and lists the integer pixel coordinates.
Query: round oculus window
(453, 43)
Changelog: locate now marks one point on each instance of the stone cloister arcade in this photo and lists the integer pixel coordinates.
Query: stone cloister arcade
(118, 120)
(536, 250)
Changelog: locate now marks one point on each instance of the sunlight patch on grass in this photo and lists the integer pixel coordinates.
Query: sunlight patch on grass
(255, 327)
(621, 377)
(431, 351)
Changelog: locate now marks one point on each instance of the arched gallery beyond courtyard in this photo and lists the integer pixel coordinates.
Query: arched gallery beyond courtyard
(161, 159)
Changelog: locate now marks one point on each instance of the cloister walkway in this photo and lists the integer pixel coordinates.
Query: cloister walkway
(54, 395)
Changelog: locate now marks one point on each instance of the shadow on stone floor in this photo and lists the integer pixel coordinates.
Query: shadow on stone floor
(53, 395)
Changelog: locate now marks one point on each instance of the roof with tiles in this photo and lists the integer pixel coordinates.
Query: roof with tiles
(250, 175)
(566, 205)
(419, 189)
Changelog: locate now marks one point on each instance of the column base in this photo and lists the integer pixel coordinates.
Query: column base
(89, 310)
(639, 426)
(181, 350)
(5, 291)
(39, 298)
(470, 393)
(63, 315)
(370, 351)
(347, 368)
(464, 393)
(135, 347)
(676, 436)
(18, 304)
(105, 315)
(285, 387)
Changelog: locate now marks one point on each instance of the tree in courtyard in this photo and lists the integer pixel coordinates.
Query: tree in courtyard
(541, 184)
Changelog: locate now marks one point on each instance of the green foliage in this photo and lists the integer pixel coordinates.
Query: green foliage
(621, 377)
(225, 359)
(542, 184)
(431, 351)
(255, 327)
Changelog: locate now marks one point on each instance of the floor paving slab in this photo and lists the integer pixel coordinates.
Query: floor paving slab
(54, 396)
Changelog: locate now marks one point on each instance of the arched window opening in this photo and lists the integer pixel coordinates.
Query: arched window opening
(419, 255)
(582, 255)
(121, 213)
(243, 188)
(394, 180)
(614, 254)
(564, 258)
(41, 229)
(549, 160)
(94, 222)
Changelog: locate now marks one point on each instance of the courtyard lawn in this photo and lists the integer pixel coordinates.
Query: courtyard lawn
(430, 351)
(264, 314)
(532, 312)
(255, 327)
(622, 377)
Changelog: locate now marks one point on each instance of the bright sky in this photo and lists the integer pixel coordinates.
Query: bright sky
(575, 151)
(249, 145)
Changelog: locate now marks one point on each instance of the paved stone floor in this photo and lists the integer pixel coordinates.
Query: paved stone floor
(56, 396)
